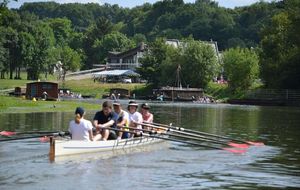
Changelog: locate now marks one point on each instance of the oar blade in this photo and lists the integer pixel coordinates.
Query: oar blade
(235, 151)
(7, 133)
(237, 145)
(44, 139)
(255, 143)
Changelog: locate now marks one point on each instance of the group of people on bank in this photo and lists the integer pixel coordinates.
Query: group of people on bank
(112, 116)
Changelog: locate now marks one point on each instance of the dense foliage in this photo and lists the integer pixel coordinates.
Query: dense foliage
(241, 66)
(192, 63)
(36, 36)
(280, 56)
(204, 19)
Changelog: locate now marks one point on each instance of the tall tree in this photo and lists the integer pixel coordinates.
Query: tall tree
(280, 55)
(4, 55)
(151, 62)
(114, 41)
(241, 67)
(69, 58)
(62, 29)
(45, 40)
(200, 64)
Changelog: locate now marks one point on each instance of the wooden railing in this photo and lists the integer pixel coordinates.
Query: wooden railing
(274, 94)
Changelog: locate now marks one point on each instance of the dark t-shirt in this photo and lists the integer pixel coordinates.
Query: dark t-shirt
(104, 119)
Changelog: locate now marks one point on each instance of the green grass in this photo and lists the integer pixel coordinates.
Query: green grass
(8, 83)
(19, 105)
(12, 83)
(96, 89)
(221, 92)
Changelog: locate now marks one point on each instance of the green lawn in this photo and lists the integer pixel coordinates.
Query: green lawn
(11, 83)
(8, 83)
(85, 87)
(19, 105)
(96, 89)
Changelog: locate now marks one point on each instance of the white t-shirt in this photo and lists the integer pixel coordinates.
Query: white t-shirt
(125, 115)
(80, 131)
(136, 117)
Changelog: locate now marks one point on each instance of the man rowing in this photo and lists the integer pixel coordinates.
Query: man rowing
(123, 120)
(80, 128)
(104, 119)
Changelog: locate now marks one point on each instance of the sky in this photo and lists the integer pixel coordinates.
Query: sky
(133, 3)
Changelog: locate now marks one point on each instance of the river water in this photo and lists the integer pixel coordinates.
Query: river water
(24, 164)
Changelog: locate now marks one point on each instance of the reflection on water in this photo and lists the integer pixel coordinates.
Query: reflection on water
(24, 164)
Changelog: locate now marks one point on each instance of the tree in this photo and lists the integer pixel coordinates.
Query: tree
(44, 40)
(28, 46)
(168, 68)
(241, 67)
(4, 55)
(62, 29)
(69, 58)
(151, 62)
(199, 63)
(139, 38)
(114, 41)
(280, 55)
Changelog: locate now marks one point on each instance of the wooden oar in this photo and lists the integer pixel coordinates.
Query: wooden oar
(194, 137)
(11, 133)
(35, 136)
(199, 137)
(208, 134)
(155, 134)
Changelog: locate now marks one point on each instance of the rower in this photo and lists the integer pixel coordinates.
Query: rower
(80, 128)
(104, 119)
(134, 116)
(147, 116)
(123, 120)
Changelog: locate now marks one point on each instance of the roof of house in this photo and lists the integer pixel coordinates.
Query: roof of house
(141, 47)
(116, 73)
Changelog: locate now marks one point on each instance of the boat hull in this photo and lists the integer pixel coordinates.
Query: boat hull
(70, 147)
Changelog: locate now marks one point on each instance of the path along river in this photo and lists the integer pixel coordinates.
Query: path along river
(24, 164)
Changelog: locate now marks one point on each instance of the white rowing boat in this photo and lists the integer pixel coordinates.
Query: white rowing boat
(70, 147)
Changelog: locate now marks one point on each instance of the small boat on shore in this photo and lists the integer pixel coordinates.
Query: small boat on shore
(66, 147)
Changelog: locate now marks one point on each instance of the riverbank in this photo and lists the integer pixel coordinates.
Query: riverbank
(19, 105)
(85, 87)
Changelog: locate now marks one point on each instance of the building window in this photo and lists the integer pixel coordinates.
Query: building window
(47, 86)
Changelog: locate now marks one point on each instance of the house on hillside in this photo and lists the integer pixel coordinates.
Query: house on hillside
(176, 43)
(129, 60)
(126, 60)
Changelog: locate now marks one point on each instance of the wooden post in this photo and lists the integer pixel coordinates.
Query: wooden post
(52, 149)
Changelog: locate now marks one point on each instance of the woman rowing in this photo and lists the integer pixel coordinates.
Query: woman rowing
(80, 128)
(123, 120)
(135, 118)
(147, 116)
(145, 111)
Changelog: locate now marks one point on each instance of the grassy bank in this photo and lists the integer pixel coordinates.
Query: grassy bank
(96, 89)
(19, 105)
(221, 92)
